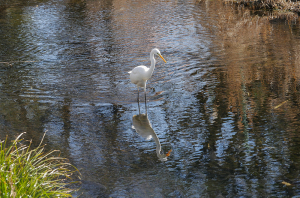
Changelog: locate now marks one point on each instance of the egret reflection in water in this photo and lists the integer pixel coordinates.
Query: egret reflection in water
(143, 127)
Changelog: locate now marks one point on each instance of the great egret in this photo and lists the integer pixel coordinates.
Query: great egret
(140, 74)
(143, 127)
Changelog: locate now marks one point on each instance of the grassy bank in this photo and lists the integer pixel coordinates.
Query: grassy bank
(278, 5)
(26, 172)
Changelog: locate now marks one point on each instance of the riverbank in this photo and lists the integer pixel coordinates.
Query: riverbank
(273, 5)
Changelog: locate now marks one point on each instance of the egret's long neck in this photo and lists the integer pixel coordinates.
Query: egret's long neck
(151, 69)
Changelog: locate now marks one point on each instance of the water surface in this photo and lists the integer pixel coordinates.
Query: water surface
(226, 102)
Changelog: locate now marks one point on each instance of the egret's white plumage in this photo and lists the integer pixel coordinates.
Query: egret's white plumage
(140, 74)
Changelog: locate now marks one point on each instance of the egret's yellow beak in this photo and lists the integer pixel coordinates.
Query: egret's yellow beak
(162, 58)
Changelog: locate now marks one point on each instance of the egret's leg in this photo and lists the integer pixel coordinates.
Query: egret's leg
(145, 97)
(138, 98)
(145, 94)
(139, 108)
(145, 103)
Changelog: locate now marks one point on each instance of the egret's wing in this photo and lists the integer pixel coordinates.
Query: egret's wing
(139, 69)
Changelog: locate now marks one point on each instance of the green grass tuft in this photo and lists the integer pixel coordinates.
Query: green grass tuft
(26, 172)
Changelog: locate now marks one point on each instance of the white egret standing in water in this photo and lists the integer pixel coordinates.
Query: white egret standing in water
(140, 74)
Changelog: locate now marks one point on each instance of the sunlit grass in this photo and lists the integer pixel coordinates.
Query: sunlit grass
(282, 5)
(26, 172)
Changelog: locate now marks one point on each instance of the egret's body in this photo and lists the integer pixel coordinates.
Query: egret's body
(140, 74)
(139, 77)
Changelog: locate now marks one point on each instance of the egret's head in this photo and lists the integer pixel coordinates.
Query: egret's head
(156, 51)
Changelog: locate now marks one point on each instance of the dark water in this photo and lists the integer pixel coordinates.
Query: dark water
(226, 102)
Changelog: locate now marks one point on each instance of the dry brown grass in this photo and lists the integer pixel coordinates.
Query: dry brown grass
(282, 5)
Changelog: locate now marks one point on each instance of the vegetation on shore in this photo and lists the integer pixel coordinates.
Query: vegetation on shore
(279, 5)
(26, 172)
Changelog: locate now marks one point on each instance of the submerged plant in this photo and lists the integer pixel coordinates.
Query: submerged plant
(26, 172)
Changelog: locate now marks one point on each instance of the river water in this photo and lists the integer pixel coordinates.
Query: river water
(225, 106)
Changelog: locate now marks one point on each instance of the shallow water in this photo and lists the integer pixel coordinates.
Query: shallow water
(226, 102)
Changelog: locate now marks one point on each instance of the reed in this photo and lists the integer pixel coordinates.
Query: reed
(26, 172)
